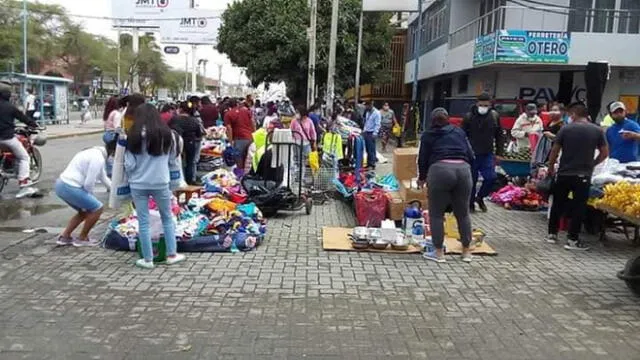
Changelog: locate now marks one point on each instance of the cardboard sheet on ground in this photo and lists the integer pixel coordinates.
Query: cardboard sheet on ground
(337, 239)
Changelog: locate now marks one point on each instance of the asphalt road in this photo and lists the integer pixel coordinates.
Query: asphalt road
(48, 211)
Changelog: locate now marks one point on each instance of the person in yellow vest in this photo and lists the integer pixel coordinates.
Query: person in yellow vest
(133, 101)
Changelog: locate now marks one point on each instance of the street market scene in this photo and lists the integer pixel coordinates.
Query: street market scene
(321, 179)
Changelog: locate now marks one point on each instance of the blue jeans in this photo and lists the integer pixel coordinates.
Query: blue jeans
(77, 198)
(485, 165)
(163, 201)
(370, 146)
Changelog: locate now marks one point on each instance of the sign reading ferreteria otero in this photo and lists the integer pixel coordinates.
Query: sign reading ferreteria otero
(523, 46)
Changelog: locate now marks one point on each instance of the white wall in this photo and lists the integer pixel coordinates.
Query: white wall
(431, 64)
(462, 13)
(617, 49)
(530, 19)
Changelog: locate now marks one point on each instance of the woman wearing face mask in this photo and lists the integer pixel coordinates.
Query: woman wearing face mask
(387, 122)
(556, 121)
(528, 123)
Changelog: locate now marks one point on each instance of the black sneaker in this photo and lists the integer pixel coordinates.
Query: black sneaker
(472, 208)
(576, 245)
(482, 205)
(552, 239)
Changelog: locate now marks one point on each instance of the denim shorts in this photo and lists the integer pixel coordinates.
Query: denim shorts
(77, 197)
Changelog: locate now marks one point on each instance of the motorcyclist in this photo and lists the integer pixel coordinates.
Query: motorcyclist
(8, 114)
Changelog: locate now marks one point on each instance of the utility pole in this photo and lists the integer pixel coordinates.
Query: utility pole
(118, 60)
(194, 73)
(25, 21)
(186, 72)
(204, 75)
(332, 56)
(220, 80)
(416, 56)
(135, 86)
(358, 59)
(311, 79)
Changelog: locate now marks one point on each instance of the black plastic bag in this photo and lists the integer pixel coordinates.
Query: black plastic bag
(545, 186)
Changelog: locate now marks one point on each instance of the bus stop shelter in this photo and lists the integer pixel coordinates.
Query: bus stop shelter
(52, 95)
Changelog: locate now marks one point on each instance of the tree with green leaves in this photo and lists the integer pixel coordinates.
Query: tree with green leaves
(269, 38)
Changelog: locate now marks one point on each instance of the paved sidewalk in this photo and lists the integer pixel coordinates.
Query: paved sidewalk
(290, 299)
(74, 128)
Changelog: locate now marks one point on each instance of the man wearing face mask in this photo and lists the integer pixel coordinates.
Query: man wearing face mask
(370, 132)
(623, 136)
(528, 123)
(482, 126)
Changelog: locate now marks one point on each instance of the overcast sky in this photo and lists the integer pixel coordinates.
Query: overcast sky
(103, 27)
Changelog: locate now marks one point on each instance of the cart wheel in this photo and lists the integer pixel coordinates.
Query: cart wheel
(631, 274)
(308, 205)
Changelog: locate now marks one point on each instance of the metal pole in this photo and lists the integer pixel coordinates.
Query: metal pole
(416, 56)
(219, 80)
(359, 59)
(204, 75)
(135, 86)
(119, 83)
(332, 56)
(186, 72)
(25, 21)
(311, 77)
(194, 74)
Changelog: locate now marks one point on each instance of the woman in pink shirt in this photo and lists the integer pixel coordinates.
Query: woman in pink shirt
(302, 127)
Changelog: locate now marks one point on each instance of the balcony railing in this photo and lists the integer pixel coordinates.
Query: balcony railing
(548, 18)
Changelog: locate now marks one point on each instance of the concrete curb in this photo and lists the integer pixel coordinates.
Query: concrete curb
(68, 135)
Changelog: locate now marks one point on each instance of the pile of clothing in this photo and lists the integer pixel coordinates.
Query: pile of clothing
(218, 221)
(519, 198)
(213, 146)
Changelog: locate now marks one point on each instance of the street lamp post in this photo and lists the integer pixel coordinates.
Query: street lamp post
(25, 21)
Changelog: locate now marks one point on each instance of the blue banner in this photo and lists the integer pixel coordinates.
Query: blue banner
(485, 50)
(525, 46)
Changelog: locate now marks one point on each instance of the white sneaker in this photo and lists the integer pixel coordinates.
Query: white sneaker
(142, 263)
(178, 258)
(86, 243)
(25, 192)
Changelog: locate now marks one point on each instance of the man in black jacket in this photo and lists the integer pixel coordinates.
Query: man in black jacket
(8, 114)
(482, 126)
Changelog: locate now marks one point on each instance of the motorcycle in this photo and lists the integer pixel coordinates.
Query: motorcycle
(31, 138)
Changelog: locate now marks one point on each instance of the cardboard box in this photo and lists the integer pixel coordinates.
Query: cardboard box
(409, 192)
(405, 165)
(396, 206)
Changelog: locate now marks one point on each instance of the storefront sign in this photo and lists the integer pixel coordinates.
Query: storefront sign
(524, 46)
(485, 49)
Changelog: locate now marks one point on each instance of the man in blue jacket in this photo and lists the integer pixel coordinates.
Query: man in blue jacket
(623, 136)
(370, 133)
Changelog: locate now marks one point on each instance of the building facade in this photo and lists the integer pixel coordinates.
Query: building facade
(531, 50)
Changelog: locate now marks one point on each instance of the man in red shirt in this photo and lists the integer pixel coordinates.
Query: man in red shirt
(239, 130)
(208, 113)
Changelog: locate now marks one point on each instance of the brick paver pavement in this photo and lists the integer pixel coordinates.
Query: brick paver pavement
(290, 299)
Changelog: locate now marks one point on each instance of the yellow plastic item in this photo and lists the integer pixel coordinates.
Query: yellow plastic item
(451, 226)
(314, 161)
(396, 130)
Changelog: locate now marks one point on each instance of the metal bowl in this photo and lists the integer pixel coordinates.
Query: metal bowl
(360, 244)
(379, 245)
(400, 247)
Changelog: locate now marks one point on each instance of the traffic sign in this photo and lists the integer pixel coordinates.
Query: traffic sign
(172, 50)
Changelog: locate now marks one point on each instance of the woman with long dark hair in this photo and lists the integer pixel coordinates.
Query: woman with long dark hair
(113, 104)
(444, 164)
(188, 127)
(151, 151)
(133, 101)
